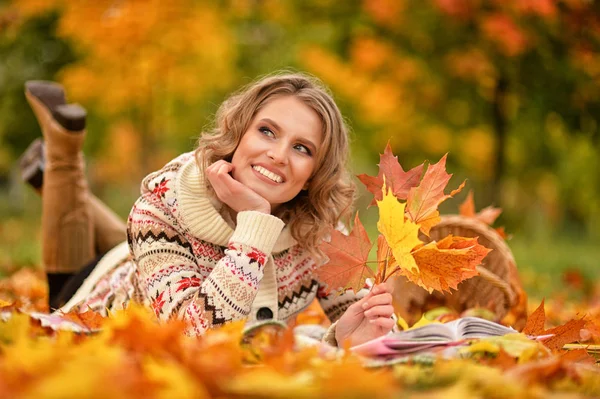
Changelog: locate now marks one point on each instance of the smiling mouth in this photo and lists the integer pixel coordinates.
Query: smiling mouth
(268, 174)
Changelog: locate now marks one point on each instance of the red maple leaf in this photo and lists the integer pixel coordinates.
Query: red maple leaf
(347, 265)
(396, 179)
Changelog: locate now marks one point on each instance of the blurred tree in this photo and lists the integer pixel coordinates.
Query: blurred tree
(499, 83)
(143, 65)
(29, 49)
(511, 88)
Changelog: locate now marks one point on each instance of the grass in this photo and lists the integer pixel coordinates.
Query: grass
(543, 263)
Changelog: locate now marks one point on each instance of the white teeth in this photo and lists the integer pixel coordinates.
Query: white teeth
(267, 173)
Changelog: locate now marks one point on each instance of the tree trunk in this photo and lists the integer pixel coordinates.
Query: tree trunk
(499, 124)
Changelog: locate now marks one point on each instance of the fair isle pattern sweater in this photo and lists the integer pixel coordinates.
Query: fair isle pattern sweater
(190, 263)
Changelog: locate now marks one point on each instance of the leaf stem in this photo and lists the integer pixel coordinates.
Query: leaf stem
(396, 270)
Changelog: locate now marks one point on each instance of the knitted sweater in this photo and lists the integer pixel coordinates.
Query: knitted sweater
(188, 261)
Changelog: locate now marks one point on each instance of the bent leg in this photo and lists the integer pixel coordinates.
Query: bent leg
(67, 231)
(109, 228)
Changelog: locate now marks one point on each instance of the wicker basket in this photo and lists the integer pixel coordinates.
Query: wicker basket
(497, 287)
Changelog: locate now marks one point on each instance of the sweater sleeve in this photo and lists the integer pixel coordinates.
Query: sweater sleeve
(179, 285)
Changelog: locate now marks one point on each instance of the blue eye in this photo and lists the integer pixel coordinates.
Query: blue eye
(266, 131)
(302, 148)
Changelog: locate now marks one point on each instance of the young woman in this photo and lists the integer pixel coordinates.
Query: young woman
(228, 232)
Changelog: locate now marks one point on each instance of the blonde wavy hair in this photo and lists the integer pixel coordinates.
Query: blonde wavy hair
(330, 194)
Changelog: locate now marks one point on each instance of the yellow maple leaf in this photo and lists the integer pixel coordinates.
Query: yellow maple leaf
(402, 235)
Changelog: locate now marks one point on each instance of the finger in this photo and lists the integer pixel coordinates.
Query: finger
(216, 165)
(376, 300)
(383, 287)
(358, 305)
(379, 311)
(384, 322)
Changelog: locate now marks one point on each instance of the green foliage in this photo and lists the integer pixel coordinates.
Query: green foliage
(31, 51)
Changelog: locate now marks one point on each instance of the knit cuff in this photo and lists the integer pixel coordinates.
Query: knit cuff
(329, 337)
(258, 230)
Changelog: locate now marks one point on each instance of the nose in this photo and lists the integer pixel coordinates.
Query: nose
(278, 154)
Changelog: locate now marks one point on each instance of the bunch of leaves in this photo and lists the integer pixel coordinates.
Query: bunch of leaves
(408, 206)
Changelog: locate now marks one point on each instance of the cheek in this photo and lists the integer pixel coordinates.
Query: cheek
(305, 171)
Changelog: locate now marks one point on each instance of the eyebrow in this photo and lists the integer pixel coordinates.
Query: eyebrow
(301, 139)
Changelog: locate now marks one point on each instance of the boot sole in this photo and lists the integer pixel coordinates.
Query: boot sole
(70, 116)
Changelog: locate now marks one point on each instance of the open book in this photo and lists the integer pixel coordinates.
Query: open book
(431, 336)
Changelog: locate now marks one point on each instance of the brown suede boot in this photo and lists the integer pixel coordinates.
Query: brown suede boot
(67, 231)
(109, 228)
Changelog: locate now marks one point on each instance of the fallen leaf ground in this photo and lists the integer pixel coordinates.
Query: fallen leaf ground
(134, 357)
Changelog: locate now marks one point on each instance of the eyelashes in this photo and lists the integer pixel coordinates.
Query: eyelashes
(299, 147)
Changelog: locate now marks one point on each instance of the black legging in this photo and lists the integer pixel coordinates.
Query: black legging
(62, 286)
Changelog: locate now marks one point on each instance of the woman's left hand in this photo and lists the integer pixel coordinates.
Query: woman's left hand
(368, 318)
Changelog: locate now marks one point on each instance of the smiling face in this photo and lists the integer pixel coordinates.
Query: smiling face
(277, 154)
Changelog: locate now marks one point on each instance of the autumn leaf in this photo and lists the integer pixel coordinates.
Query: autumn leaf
(424, 199)
(401, 235)
(581, 356)
(89, 319)
(489, 214)
(348, 255)
(443, 265)
(501, 232)
(565, 334)
(535, 321)
(592, 330)
(467, 208)
(396, 179)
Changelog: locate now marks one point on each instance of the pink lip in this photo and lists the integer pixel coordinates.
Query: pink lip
(272, 170)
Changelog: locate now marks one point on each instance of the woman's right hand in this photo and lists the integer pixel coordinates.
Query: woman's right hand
(233, 193)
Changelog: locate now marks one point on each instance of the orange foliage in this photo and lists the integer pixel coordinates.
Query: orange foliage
(504, 32)
(385, 12)
(463, 9)
(135, 52)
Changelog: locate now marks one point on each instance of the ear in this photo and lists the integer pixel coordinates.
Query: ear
(305, 186)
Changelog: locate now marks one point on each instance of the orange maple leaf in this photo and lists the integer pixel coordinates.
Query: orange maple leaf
(487, 215)
(348, 255)
(467, 208)
(501, 232)
(396, 179)
(565, 334)
(535, 321)
(89, 319)
(423, 200)
(443, 265)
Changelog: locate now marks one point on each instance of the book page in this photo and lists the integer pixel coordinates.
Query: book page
(475, 327)
(429, 332)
